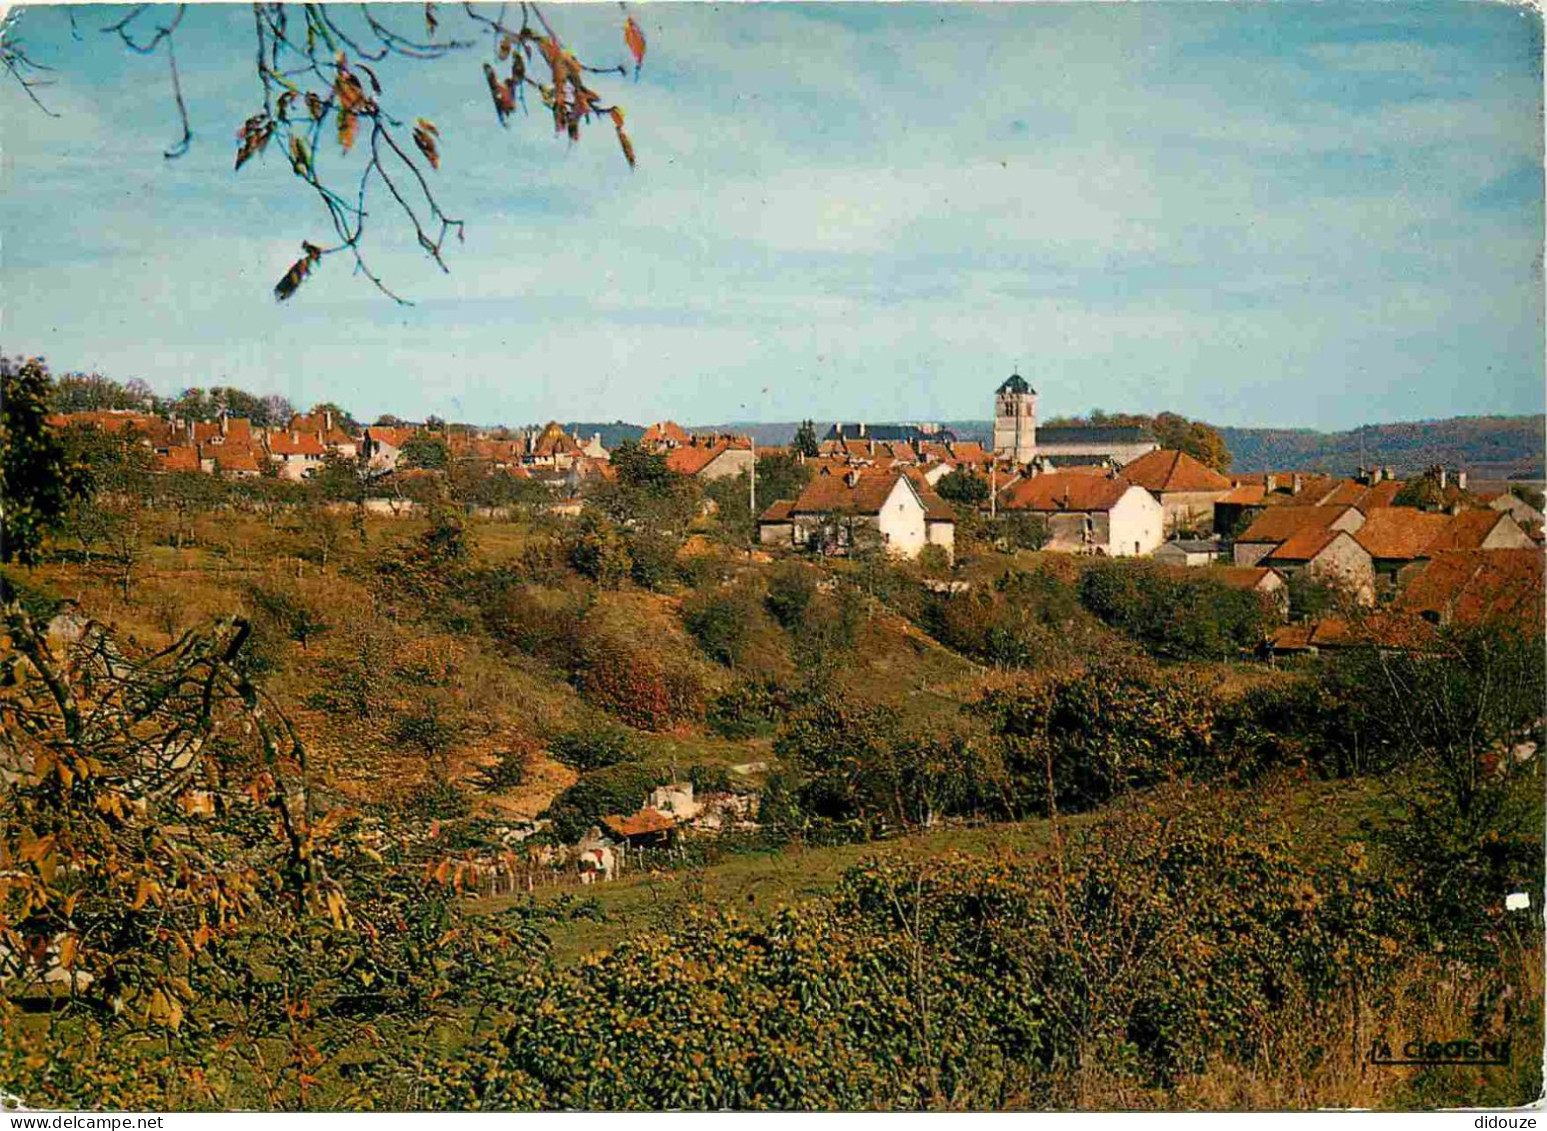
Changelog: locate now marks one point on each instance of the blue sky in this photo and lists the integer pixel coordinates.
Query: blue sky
(1285, 215)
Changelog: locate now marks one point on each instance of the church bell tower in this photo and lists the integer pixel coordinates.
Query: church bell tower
(1015, 420)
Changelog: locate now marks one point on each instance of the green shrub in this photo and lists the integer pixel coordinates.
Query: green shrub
(709, 779)
(540, 622)
(1100, 733)
(1176, 616)
(593, 748)
(721, 622)
(288, 611)
(653, 559)
(616, 790)
(543, 561)
(747, 709)
(791, 588)
(597, 551)
(509, 770)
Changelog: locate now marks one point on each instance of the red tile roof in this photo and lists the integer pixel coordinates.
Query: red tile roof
(1466, 531)
(855, 491)
(779, 512)
(641, 823)
(1351, 493)
(1478, 585)
(690, 459)
(391, 437)
(106, 420)
(295, 444)
(1304, 544)
(1167, 470)
(970, 451)
(1062, 491)
(665, 431)
(1278, 523)
(1245, 495)
(234, 458)
(1240, 577)
(1400, 533)
(181, 458)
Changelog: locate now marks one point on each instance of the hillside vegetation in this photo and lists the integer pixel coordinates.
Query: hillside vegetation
(1045, 838)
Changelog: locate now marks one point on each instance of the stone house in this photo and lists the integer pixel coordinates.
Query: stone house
(1477, 586)
(1327, 555)
(1399, 537)
(1277, 524)
(720, 458)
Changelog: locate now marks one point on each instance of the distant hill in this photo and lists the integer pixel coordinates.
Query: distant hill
(1493, 447)
(612, 434)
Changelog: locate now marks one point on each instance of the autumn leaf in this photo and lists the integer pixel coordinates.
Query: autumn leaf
(623, 139)
(300, 156)
(504, 101)
(635, 39)
(348, 129)
(253, 136)
(425, 136)
(298, 272)
(67, 949)
(315, 106)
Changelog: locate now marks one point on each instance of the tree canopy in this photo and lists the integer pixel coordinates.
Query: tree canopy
(328, 81)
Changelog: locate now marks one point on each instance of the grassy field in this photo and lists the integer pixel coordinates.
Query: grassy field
(1325, 815)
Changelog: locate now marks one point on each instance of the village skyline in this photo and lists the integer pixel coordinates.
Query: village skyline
(1299, 217)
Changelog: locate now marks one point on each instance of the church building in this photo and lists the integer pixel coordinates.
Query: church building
(1017, 438)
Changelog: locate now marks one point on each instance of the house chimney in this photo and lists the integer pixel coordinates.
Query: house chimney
(862, 430)
(1297, 484)
(1461, 480)
(222, 422)
(851, 478)
(1270, 483)
(1444, 479)
(327, 422)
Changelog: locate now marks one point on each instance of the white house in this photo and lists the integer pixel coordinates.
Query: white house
(840, 510)
(1090, 514)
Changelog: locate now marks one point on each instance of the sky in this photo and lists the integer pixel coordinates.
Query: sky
(1254, 214)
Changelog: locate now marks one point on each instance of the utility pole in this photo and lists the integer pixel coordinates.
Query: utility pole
(752, 494)
(993, 488)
